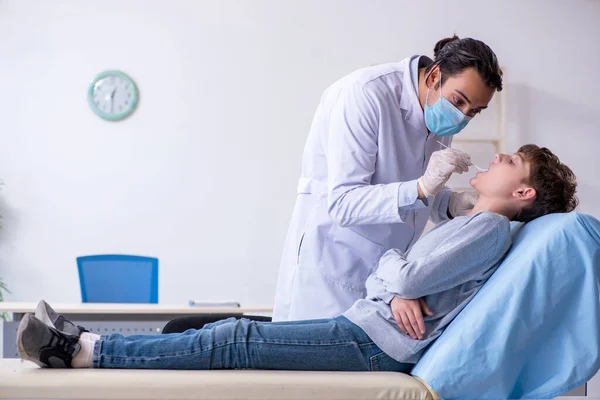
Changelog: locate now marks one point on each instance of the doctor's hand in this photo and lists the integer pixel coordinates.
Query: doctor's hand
(409, 316)
(442, 164)
(462, 203)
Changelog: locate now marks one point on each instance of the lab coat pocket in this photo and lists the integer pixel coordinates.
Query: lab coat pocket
(305, 221)
(299, 248)
(349, 258)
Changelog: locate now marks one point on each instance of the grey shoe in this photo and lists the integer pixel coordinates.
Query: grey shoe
(47, 315)
(45, 346)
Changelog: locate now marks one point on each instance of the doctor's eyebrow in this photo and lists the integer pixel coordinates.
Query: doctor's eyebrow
(468, 100)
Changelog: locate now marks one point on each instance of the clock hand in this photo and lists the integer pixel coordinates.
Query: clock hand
(112, 100)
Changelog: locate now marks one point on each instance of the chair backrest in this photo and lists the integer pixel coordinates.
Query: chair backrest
(118, 279)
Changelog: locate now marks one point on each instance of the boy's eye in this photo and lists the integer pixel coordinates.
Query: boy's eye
(511, 161)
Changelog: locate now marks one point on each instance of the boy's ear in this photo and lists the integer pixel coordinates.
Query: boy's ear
(525, 193)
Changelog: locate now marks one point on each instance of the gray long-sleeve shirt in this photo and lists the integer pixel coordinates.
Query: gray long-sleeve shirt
(447, 267)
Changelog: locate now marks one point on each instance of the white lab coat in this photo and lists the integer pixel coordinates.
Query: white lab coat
(357, 196)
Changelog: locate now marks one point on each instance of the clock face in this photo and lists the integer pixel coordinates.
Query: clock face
(113, 95)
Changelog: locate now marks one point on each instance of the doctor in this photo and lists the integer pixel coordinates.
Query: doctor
(373, 171)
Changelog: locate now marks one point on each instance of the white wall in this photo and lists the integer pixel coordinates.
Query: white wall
(203, 175)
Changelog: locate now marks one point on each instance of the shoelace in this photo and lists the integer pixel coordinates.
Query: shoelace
(61, 346)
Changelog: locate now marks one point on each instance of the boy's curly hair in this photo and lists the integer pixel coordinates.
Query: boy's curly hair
(554, 182)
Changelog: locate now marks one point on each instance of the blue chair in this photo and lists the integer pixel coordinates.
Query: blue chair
(118, 279)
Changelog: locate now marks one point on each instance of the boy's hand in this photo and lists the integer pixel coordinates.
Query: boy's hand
(409, 316)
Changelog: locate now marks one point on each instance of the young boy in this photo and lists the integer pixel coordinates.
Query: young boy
(444, 269)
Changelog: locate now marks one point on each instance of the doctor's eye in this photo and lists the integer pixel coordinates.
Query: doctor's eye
(458, 101)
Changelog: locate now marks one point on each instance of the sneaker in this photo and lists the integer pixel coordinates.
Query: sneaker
(47, 315)
(44, 345)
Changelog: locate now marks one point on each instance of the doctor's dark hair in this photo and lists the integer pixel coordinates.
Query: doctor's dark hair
(454, 55)
(555, 184)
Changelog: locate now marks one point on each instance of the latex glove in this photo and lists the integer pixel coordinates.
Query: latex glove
(461, 203)
(409, 316)
(442, 164)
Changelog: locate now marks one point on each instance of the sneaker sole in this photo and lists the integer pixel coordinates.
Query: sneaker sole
(22, 326)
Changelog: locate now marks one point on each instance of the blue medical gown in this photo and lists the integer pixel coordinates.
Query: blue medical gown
(533, 330)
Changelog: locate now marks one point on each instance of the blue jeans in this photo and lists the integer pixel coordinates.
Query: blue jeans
(318, 345)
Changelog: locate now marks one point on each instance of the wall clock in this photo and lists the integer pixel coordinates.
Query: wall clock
(113, 95)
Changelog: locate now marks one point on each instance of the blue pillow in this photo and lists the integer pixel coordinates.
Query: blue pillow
(533, 330)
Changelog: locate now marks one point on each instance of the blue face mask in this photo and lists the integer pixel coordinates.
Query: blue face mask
(442, 118)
